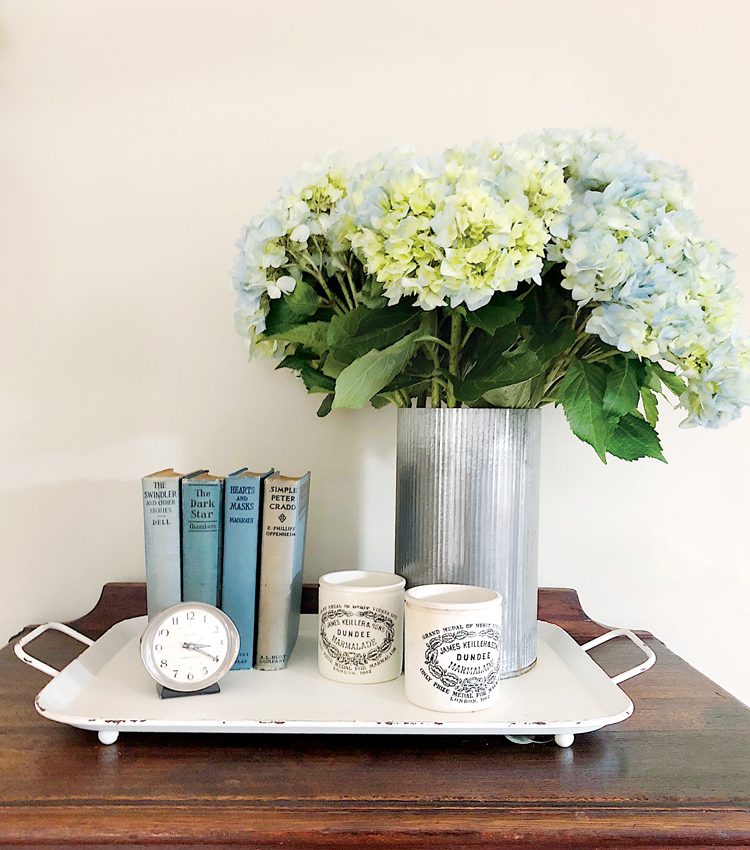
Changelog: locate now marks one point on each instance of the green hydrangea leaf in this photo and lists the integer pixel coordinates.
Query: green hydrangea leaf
(379, 401)
(325, 407)
(333, 367)
(315, 381)
(363, 329)
(650, 378)
(312, 335)
(495, 364)
(292, 310)
(502, 310)
(369, 374)
(650, 406)
(554, 342)
(281, 318)
(300, 358)
(371, 293)
(303, 299)
(415, 377)
(581, 394)
(621, 392)
(516, 395)
(669, 379)
(499, 371)
(633, 438)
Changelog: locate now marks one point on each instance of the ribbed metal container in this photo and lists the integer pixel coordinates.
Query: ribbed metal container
(467, 510)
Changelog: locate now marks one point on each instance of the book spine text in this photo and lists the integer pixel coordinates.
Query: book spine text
(242, 511)
(202, 510)
(161, 520)
(280, 586)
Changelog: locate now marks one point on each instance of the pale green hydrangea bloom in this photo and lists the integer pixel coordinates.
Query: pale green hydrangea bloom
(454, 229)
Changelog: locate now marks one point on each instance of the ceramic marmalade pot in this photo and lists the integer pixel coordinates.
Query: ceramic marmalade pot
(452, 646)
(360, 626)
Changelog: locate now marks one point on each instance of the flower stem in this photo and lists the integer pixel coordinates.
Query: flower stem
(349, 278)
(467, 335)
(431, 349)
(349, 300)
(596, 357)
(560, 367)
(335, 303)
(453, 352)
(396, 399)
(435, 341)
(307, 261)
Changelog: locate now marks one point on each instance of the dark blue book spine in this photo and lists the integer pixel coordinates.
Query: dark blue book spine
(242, 513)
(202, 509)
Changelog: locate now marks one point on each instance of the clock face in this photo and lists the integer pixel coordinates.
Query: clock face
(189, 646)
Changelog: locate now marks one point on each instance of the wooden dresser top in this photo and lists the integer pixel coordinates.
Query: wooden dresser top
(675, 774)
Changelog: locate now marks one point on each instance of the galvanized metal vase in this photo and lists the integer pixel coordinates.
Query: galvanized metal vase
(467, 510)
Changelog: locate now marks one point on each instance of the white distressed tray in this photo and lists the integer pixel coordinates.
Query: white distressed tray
(107, 689)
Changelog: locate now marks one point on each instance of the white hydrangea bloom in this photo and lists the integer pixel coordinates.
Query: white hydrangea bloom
(270, 245)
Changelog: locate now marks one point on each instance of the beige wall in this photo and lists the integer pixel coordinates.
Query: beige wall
(137, 136)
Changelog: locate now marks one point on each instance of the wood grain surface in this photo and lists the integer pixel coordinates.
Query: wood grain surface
(675, 774)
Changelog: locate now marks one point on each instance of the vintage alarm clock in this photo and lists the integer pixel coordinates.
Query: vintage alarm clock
(188, 648)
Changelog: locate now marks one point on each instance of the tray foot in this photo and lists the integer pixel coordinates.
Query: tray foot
(564, 740)
(108, 736)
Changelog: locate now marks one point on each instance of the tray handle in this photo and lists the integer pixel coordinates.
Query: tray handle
(32, 635)
(634, 671)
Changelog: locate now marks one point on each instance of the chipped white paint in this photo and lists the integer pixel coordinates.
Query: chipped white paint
(107, 690)
(634, 671)
(32, 635)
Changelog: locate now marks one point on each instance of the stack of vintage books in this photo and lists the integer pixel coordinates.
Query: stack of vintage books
(236, 542)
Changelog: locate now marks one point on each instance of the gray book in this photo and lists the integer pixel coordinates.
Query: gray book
(161, 525)
(282, 550)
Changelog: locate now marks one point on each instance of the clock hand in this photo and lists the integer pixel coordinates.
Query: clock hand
(197, 648)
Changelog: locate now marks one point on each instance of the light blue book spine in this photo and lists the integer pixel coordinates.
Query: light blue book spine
(161, 526)
(202, 509)
(242, 515)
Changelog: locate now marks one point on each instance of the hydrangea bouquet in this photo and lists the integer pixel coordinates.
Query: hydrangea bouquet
(565, 268)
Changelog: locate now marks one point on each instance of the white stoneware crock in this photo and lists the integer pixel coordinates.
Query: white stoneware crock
(452, 646)
(361, 626)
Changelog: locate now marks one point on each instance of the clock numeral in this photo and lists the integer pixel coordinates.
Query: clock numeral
(163, 632)
(175, 673)
(158, 647)
(175, 620)
(163, 663)
(205, 671)
(190, 677)
(216, 629)
(190, 615)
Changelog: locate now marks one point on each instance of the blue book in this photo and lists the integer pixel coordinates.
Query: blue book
(242, 516)
(161, 525)
(202, 509)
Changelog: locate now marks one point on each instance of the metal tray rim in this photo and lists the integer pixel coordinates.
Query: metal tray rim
(477, 723)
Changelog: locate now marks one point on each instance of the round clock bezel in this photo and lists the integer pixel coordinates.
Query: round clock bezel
(149, 635)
